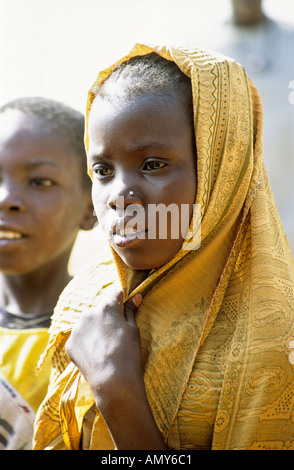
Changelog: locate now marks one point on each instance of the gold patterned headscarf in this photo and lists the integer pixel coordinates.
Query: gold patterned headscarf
(216, 323)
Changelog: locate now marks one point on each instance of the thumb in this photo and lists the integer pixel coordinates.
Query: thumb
(137, 299)
(131, 306)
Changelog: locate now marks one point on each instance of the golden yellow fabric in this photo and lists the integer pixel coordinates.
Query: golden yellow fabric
(20, 351)
(216, 323)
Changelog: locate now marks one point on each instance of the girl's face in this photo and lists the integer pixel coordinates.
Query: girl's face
(42, 201)
(142, 152)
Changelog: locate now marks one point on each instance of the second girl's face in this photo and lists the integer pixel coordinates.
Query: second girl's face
(42, 200)
(142, 152)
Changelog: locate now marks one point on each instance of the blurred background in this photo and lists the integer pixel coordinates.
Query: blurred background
(55, 48)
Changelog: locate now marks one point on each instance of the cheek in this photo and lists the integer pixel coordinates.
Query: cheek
(183, 194)
(99, 199)
(60, 213)
(180, 190)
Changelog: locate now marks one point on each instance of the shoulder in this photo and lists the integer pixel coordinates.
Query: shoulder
(82, 291)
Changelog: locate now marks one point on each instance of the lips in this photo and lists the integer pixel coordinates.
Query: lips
(126, 241)
(10, 235)
(127, 226)
(123, 233)
(127, 232)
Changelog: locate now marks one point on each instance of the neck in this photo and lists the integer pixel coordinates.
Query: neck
(33, 293)
(247, 12)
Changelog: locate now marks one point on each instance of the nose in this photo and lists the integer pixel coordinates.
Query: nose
(124, 191)
(10, 200)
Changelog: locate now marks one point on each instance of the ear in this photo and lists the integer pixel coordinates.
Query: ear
(89, 219)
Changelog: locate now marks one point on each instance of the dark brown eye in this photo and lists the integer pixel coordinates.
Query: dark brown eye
(102, 171)
(42, 182)
(153, 165)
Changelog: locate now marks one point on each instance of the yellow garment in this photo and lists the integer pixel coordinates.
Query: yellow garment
(216, 323)
(21, 388)
(20, 350)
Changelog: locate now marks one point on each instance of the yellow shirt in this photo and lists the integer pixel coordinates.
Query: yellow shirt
(22, 389)
(19, 355)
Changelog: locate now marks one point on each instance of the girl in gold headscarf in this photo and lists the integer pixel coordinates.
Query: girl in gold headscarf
(174, 343)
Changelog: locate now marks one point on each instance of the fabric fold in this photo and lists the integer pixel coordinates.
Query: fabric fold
(215, 322)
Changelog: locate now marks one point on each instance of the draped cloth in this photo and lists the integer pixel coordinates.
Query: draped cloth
(217, 322)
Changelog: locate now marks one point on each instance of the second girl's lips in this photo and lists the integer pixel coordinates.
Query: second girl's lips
(10, 234)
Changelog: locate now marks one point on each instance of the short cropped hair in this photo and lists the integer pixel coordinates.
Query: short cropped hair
(63, 120)
(147, 74)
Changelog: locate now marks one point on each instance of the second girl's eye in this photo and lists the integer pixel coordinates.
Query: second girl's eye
(42, 182)
(153, 165)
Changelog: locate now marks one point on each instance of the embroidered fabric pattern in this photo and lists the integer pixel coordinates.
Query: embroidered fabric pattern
(216, 323)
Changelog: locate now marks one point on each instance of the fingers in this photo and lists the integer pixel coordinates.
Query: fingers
(131, 307)
(137, 299)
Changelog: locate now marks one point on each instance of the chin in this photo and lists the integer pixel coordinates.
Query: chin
(148, 256)
(138, 265)
(12, 270)
(144, 263)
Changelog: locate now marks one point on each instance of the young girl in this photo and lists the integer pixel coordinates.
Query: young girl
(176, 345)
(41, 212)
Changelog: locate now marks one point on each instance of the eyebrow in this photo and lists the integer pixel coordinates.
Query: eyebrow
(133, 148)
(35, 163)
(139, 147)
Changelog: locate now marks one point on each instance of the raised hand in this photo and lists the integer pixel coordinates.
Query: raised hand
(105, 346)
